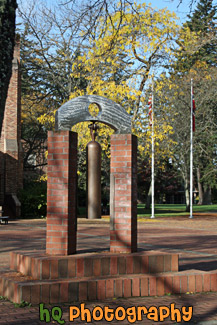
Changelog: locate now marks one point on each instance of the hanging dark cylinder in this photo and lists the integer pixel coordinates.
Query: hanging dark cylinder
(93, 154)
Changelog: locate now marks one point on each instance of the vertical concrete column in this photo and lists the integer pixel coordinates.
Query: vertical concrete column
(123, 193)
(61, 193)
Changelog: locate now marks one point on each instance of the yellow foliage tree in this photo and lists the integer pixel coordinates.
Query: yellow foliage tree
(119, 61)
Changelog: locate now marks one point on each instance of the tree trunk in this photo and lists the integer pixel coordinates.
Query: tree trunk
(187, 195)
(148, 198)
(207, 195)
(200, 187)
(187, 199)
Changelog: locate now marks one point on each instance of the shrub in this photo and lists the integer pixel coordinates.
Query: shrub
(33, 199)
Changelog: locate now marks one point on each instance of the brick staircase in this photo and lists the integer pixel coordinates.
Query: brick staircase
(39, 278)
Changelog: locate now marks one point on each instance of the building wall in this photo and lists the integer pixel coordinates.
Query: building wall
(11, 169)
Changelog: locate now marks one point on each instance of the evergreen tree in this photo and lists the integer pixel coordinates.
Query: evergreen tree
(203, 22)
(200, 64)
(203, 17)
(7, 35)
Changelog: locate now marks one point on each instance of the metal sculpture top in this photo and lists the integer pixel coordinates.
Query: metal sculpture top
(76, 111)
(93, 131)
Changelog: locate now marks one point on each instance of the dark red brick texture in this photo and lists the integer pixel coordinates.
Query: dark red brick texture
(61, 193)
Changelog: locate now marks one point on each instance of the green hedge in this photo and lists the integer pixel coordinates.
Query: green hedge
(33, 199)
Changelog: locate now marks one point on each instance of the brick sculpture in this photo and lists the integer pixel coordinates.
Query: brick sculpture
(123, 200)
(60, 275)
(123, 233)
(61, 193)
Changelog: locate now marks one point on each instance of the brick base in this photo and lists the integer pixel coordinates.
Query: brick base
(87, 277)
(43, 267)
(17, 288)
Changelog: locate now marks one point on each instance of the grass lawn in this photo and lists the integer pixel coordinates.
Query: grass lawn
(167, 210)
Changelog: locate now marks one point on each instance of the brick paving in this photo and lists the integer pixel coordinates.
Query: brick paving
(194, 241)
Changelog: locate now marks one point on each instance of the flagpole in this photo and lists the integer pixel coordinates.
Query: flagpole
(152, 154)
(191, 155)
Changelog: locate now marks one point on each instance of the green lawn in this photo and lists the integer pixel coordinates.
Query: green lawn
(166, 210)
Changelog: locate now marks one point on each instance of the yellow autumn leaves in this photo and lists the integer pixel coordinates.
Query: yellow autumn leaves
(120, 55)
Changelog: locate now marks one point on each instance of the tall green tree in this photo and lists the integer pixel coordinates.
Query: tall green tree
(7, 36)
(175, 104)
(203, 23)
(197, 61)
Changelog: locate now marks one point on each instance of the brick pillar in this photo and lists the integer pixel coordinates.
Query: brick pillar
(61, 193)
(10, 140)
(2, 178)
(123, 193)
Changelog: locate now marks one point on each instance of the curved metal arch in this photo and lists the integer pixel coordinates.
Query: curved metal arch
(76, 111)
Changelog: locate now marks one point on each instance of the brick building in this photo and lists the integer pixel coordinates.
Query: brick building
(11, 166)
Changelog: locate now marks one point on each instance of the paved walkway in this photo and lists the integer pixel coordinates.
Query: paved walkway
(194, 240)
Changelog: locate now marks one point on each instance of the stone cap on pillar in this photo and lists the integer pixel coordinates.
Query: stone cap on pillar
(76, 111)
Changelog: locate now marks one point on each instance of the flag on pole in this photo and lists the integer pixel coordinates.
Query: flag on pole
(150, 109)
(193, 109)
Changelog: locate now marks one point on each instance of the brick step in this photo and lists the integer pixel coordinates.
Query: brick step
(17, 287)
(44, 267)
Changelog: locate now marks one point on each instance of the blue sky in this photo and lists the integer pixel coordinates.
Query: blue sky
(181, 11)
